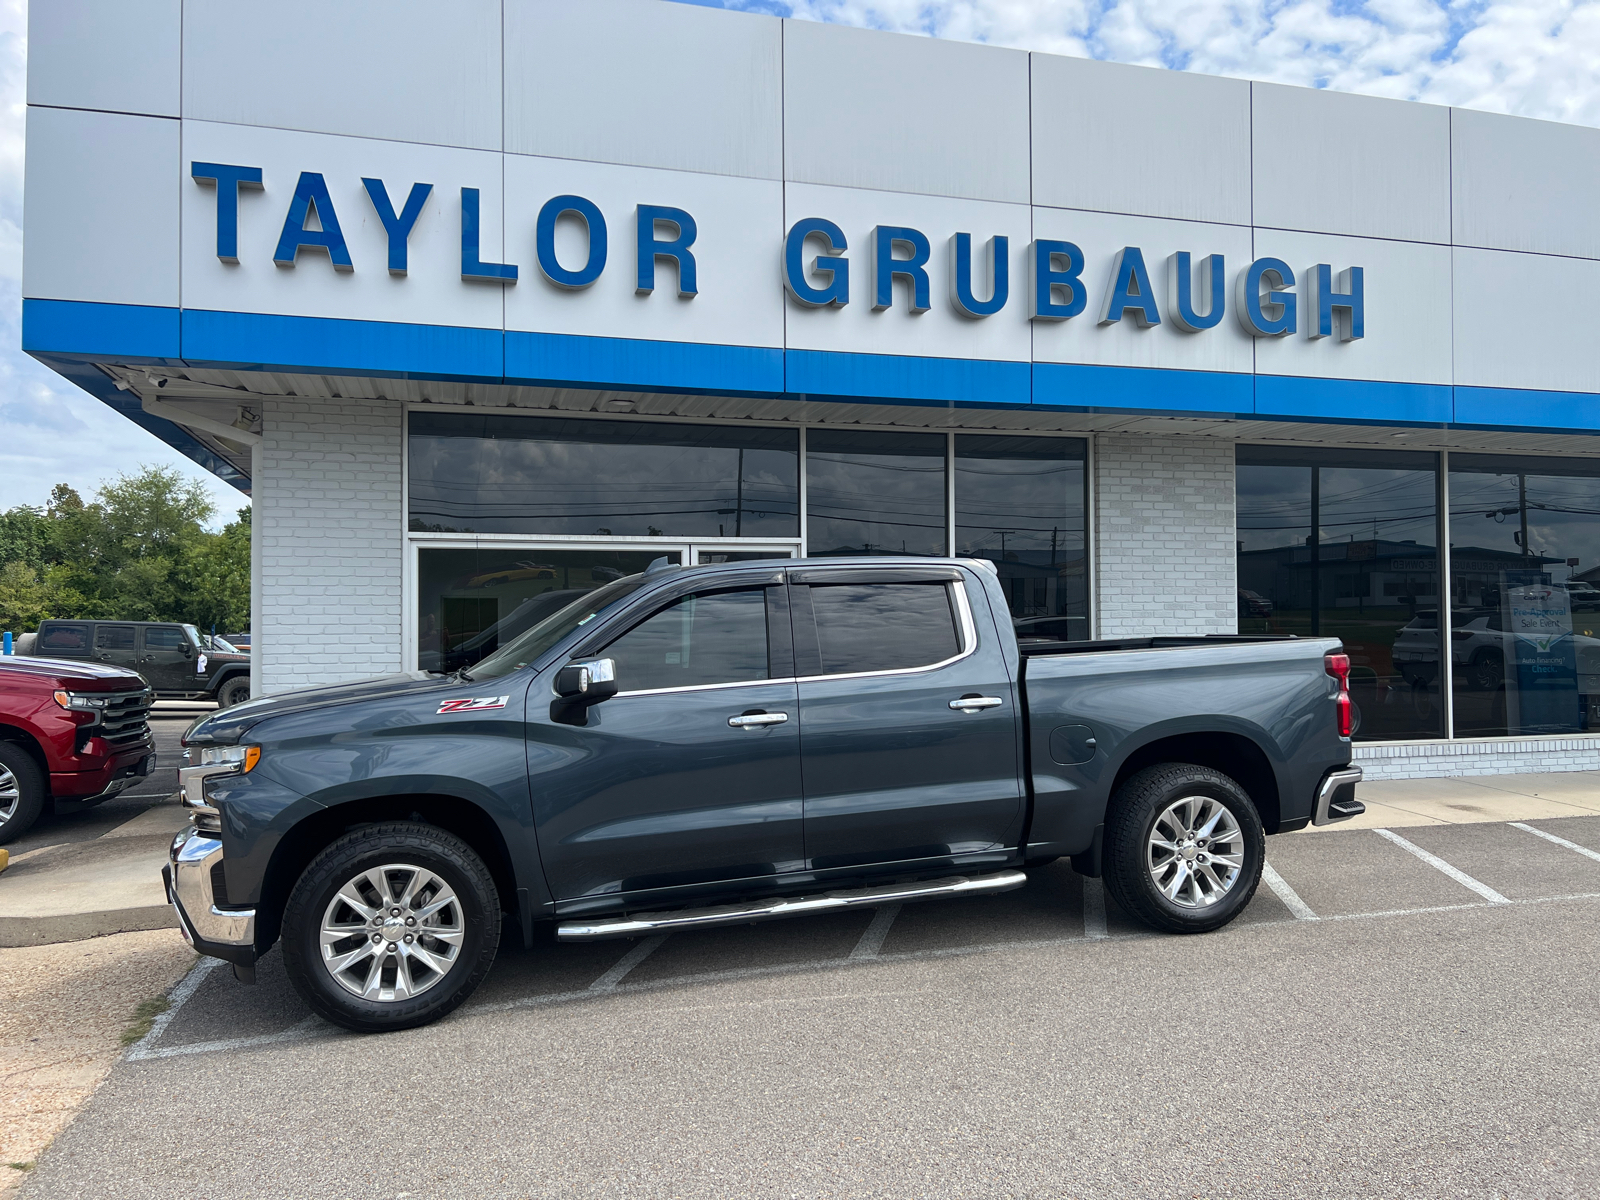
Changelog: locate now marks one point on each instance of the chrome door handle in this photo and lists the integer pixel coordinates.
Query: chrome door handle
(756, 720)
(973, 704)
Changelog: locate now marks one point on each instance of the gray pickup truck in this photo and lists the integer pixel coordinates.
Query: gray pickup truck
(731, 743)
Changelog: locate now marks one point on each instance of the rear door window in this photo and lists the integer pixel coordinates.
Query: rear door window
(113, 637)
(883, 626)
(696, 641)
(64, 639)
(164, 637)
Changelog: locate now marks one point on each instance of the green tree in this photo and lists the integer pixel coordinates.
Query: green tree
(215, 578)
(25, 599)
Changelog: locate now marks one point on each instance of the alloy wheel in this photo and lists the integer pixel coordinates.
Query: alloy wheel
(1196, 851)
(10, 795)
(391, 933)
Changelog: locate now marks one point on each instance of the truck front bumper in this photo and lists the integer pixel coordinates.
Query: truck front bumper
(225, 933)
(1336, 796)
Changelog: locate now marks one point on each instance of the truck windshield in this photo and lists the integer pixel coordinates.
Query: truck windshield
(534, 641)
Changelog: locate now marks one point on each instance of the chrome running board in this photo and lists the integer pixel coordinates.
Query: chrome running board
(767, 910)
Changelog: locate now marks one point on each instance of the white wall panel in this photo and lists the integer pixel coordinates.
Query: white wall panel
(724, 72)
(1526, 185)
(1407, 300)
(1506, 336)
(432, 292)
(905, 114)
(100, 208)
(1139, 140)
(739, 233)
(407, 70)
(941, 332)
(1081, 339)
(114, 55)
(1335, 163)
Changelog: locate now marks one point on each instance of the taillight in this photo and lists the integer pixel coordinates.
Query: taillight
(1338, 665)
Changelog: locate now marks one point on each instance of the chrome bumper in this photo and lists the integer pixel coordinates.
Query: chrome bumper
(228, 933)
(1331, 806)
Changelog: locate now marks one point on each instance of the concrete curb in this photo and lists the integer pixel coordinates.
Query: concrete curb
(75, 927)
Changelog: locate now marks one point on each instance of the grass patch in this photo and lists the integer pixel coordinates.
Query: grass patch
(28, 1166)
(143, 1017)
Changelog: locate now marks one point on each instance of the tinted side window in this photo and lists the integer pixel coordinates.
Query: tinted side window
(113, 637)
(64, 639)
(164, 637)
(883, 626)
(720, 638)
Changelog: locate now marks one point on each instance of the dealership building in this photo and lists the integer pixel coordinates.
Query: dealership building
(484, 304)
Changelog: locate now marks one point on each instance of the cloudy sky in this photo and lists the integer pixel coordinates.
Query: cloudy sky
(1531, 57)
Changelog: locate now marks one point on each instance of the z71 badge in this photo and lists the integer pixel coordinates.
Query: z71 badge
(475, 704)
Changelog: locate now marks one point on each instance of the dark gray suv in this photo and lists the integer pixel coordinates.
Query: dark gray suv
(171, 657)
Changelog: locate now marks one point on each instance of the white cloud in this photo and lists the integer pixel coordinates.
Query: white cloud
(50, 431)
(1534, 58)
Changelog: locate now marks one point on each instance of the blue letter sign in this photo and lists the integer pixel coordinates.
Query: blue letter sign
(830, 264)
(652, 248)
(886, 266)
(398, 228)
(997, 268)
(1322, 303)
(229, 180)
(544, 240)
(1055, 290)
(1252, 304)
(472, 267)
(1180, 287)
(1129, 290)
(311, 195)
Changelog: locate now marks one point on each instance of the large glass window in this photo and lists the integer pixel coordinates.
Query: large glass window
(498, 473)
(1021, 503)
(472, 602)
(1525, 606)
(699, 640)
(875, 493)
(1337, 543)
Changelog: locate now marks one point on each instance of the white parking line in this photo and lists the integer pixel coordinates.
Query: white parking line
(1291, 898)
(312, 1027)
(608, 982)
(1560, 841)
(1439, 864)
(872, 940)
(1094, 909)
(187, 986)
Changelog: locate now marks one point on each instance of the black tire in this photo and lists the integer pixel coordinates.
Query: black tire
(233, 691)
(1130, 823)
(425, 847)
(1487, 670)
(19, 812)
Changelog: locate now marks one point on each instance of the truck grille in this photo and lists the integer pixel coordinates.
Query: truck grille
(125, 719)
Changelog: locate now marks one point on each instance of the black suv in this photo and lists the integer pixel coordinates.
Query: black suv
(171, 657)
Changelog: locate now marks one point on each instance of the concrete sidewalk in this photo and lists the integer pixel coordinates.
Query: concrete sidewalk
(112, 883)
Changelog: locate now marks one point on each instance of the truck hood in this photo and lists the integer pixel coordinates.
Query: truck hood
(76, 673)
(227, 726)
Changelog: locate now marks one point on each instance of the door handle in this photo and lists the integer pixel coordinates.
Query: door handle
(754, 720)
(972, 704)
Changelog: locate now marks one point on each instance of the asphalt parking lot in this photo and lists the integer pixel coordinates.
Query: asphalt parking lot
(1402, 1013)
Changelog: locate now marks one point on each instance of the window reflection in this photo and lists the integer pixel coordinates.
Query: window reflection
(1020, 503)
(538, 475)
(874, 493)
(472, 602)
(1525, 605)
(1344, 544)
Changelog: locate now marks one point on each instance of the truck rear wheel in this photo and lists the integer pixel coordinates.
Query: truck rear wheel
(22, 793)
(391, 927)
(1184, 847)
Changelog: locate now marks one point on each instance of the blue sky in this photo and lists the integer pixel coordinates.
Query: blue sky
(1535, 58)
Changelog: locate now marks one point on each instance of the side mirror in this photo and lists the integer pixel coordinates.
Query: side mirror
(188, 650)
(587, 682)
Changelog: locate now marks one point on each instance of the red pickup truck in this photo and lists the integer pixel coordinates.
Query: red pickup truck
(71, 734)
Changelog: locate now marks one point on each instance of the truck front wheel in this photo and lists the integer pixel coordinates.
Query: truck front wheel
(391, 927)
(1184, 848)
(22, 792)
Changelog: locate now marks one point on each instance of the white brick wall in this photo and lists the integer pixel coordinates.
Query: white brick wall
(328, 508)
(1490, 756)
(1164, 541)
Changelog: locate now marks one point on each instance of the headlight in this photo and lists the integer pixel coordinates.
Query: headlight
(240, 758)
(80, 701)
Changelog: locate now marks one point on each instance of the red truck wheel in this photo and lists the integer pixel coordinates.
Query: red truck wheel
(21, 792)
(1184, 848)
